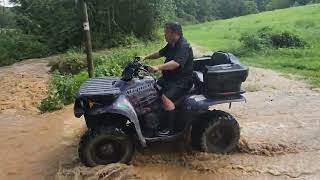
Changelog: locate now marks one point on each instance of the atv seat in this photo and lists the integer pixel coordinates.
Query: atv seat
(197, 78)
(196, 88)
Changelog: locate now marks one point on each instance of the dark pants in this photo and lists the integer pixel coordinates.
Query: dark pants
(174, 90)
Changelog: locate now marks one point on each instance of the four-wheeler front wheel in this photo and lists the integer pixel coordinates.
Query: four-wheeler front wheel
(104, 146)
(221, 134)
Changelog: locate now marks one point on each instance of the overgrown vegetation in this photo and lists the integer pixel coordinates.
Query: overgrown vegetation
(290, 43)
(62, 89)
(72, 62)
(265, 38)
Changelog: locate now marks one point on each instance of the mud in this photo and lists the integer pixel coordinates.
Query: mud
(112, 171)
(23, 85)
(280, 127)
(32, 144)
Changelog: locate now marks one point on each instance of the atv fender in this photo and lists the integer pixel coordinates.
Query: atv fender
(201, 103)
(122, 106)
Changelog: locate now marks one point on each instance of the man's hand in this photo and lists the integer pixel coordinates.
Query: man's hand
(154, 69)
(141, 58)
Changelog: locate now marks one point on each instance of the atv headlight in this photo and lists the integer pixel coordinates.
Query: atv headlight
(92, 103)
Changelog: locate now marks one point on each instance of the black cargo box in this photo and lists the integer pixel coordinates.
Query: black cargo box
(217, 58)
(225, 79)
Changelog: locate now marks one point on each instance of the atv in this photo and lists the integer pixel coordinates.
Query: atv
(126, 112)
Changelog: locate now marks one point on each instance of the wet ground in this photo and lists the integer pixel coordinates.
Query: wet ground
(32, 144)
(280, 127)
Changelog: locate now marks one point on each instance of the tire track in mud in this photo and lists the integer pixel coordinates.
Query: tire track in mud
(267, 149)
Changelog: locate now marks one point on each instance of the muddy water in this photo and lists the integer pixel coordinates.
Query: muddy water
(31, 144)
(280, 126)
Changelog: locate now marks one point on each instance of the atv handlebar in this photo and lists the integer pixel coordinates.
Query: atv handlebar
(133, 68)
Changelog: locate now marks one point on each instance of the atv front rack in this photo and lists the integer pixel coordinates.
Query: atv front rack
(99, 87)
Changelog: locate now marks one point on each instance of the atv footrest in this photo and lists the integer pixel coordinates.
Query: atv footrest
(165, 138)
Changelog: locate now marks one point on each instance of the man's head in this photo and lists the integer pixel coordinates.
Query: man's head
(173, 32)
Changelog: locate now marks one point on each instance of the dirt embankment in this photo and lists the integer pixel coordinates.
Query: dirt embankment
(280, 128)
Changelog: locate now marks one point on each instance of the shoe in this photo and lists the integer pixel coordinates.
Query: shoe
(170, 121)
(163, 133)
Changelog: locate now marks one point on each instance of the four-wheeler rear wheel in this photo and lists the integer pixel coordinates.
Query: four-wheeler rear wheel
(105, 145)
(220, 134)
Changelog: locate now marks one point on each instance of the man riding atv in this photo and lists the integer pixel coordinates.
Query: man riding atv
(123, 113)
(177, 71)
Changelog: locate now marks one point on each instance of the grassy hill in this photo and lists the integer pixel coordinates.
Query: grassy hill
(303, 21)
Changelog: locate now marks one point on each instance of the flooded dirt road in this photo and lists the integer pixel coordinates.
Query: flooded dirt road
(32, 144)
(280, 127)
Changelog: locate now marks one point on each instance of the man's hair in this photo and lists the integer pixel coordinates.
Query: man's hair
(174, 27)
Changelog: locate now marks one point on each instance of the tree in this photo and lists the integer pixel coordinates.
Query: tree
(279, 4)
(6, 17)
(261, 4)
(205, 10)
(248, 7)
(186, 10)
(227, 8)
(58, 23)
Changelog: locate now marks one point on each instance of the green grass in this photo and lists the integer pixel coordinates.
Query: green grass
(303, 21)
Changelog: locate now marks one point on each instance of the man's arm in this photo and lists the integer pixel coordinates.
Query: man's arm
(179, 60)
(155, 55)
(171, 65)
(162, 52)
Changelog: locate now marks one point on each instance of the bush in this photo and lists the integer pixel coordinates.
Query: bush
(251, 41)
(72, 62)
(287, 40)
(112, 69)
(51, 103)
(63, 87)
(265, 38)
(108, 63)
(15, 46)
(62, 90)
